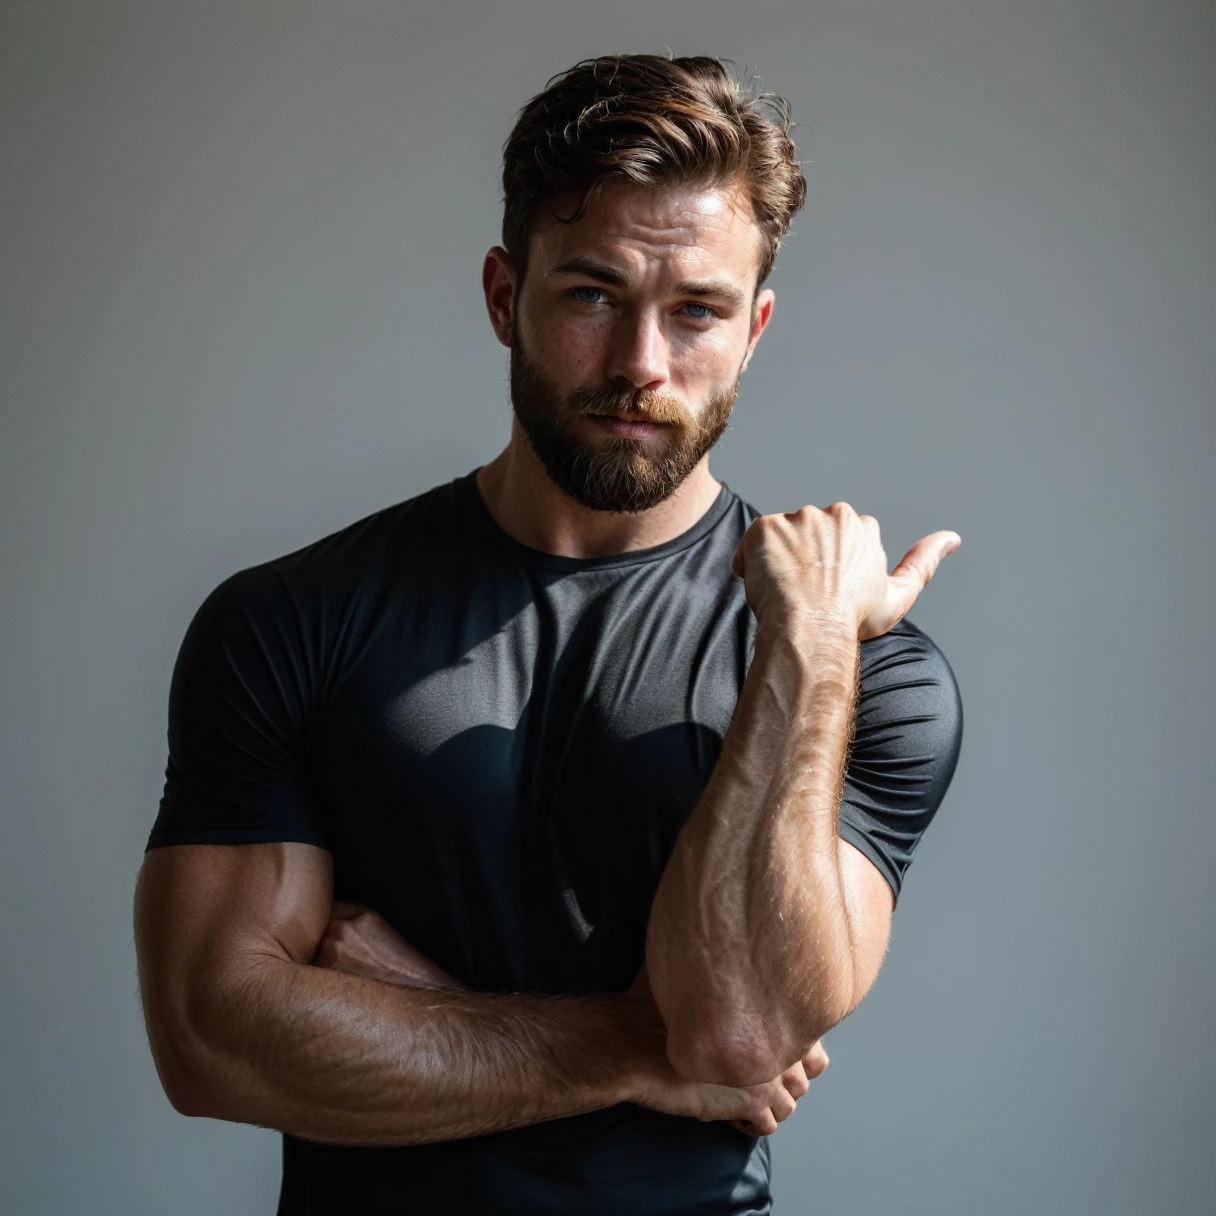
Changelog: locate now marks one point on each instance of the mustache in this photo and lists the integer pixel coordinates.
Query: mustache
(656, 406)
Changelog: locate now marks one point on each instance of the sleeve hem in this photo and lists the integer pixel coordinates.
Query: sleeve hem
(201, 834)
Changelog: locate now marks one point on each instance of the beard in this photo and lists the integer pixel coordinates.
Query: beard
(612, 472)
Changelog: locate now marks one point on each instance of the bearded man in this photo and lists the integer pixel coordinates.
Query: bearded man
(520, 842)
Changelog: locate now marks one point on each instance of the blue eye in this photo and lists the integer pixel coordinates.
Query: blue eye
(587, 295)
(703, 313)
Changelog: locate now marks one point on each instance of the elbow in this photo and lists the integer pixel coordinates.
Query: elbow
(746, 1051)
(717, 1061)
(190, 1061)
(194, 1033)
(738, 1054)
(186, 1095)
(182, 1066)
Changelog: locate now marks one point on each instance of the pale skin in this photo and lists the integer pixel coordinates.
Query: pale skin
(266, 1003)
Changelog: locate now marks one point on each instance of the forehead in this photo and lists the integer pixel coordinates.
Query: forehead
(652, 230)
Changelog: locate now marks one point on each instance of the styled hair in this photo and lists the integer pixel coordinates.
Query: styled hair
(648, 120)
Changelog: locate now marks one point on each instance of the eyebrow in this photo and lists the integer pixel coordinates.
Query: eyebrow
(591, 269)
(601, 272)
(718, 288)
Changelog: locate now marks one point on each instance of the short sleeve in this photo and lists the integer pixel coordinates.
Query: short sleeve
(239, 715)
(908, 730)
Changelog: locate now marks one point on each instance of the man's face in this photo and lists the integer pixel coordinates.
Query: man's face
(628, 338)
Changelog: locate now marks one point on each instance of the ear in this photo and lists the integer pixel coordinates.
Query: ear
(498, 283)
(762, 312)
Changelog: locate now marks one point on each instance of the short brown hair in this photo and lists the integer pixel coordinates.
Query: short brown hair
(649, 120)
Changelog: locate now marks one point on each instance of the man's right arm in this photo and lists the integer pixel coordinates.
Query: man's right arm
(243, 1028)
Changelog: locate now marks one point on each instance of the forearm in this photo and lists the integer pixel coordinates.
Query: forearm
(344, 1059)
(749, 945)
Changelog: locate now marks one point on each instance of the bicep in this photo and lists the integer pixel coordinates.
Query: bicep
(202, 912)
(870, 903)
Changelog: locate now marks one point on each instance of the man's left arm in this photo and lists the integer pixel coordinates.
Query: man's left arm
(767, 928)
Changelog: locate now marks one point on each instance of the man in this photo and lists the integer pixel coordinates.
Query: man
(513, 857)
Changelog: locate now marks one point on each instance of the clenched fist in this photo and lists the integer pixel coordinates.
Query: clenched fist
(829, 566)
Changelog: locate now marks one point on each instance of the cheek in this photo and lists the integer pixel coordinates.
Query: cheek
(570, 352)
(707, 359)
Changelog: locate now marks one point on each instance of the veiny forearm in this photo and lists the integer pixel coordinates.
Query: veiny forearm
(344, 1059)
(749, 944)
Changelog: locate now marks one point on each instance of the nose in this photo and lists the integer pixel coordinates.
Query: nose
(637, 353)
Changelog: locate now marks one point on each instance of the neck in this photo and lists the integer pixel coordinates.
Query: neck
(525, 504)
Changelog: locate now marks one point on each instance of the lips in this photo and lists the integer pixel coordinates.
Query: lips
(628, 427)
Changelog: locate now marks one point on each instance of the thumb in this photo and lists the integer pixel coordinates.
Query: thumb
(918, 566)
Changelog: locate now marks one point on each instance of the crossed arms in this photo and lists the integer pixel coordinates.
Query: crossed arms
(766, 930)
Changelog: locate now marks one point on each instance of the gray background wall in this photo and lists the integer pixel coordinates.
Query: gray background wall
(241, 309)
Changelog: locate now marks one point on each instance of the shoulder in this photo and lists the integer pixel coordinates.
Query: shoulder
(905, 653)
(356, 557)
(310, 609)
(909, 691)
(376, 544)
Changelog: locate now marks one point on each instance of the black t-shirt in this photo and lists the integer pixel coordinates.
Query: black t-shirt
(498, 747)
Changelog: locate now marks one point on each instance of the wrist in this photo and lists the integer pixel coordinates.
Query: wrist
(638, 1050)
(809, 636)
(829, 621)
